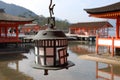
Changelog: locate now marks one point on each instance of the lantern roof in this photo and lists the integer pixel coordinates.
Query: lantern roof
(49, 34)
(11, 18)
(105, 9)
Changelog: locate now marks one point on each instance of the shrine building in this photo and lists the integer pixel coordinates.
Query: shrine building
(111, 11)
(9, 32)
(89, 30)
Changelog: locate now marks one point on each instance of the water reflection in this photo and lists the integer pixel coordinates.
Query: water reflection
(107, 72)
(8, 73)
(81, 48)
(18, 67)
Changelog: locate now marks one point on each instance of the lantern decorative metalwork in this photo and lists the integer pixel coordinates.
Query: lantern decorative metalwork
(51, 47)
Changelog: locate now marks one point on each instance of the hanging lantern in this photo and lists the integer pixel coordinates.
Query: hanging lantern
(51, 48)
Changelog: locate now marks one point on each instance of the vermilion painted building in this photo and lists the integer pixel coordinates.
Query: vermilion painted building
(111, 11)
(9, 27)
(90, 28)
(30, 28)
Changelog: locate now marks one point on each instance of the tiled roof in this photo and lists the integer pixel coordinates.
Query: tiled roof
(7, 17)
(30, 25)
(109, 8)
(91, 24)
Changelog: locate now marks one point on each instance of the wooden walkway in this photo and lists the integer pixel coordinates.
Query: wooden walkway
(27, 39)
(81, 37)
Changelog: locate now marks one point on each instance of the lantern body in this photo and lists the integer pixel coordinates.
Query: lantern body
(51, 48)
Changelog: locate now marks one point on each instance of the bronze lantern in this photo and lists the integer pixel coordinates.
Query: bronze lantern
(51, 48)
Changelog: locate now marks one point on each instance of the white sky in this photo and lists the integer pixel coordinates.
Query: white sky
(72, 10)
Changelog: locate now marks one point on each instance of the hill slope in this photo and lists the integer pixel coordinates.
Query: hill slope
(16, 10)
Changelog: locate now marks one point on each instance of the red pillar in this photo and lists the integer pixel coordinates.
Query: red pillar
(112, 47)
(6, 31)
(97, 44)
(117, 27)
(16, 28)
(118, 24)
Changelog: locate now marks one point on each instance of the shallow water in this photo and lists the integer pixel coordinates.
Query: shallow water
(18, 67)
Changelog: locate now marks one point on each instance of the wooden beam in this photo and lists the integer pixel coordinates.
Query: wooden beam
(110, 15)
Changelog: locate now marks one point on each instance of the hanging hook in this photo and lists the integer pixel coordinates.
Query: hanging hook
(51, 8)
(51, 20)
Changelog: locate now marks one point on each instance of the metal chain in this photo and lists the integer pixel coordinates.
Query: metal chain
(51, 20)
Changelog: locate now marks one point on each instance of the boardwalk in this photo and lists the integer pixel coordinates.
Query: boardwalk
(81, 37)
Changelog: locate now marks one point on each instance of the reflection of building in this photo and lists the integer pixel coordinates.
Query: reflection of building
(8, 73)
(83, 48)
(108, 72)
(110, 12)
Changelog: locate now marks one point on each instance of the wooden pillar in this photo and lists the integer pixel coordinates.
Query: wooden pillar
(118, 24)
(109, 46)
(97, 44)
(112, 47)
(117, 27)
(16, 28)
(6, 28)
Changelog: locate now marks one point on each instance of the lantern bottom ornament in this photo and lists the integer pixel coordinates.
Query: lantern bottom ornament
(46, 68)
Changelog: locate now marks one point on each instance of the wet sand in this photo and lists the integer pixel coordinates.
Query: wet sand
(106, 58)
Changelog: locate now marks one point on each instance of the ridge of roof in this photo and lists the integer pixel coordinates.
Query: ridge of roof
(90, 24)
(104, 9)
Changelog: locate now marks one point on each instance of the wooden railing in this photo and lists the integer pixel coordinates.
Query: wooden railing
(109, 42)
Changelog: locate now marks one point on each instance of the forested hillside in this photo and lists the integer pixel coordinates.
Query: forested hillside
(23, 12)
